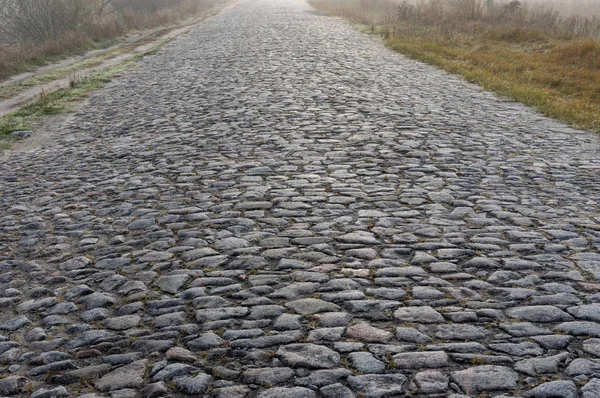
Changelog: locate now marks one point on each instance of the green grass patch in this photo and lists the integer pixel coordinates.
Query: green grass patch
(7, 126)
(70, 71)
(62, 101)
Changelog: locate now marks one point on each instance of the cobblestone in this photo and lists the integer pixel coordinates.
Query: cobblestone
(276, 205)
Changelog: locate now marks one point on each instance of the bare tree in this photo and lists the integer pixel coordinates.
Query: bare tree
(405, 9)
(35, 20)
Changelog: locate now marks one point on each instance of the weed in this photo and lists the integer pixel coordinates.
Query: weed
(13, 123)
(271, 354)
(372, 273)
(478, 361)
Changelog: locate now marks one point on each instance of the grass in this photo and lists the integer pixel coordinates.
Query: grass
(7, 126)
(549, 64)
(10, 90)
(560, 79)
(28, 54)
(62, 101)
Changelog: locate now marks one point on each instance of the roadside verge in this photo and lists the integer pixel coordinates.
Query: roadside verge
(28, 99)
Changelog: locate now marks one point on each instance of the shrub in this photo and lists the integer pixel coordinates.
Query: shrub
(35, 20)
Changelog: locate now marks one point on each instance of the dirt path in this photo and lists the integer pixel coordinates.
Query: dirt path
(18, 91)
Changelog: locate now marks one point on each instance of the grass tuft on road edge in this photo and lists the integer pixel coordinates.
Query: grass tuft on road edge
(62, 101)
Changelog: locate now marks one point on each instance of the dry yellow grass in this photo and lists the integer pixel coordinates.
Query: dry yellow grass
(547, 66)
(561, 80)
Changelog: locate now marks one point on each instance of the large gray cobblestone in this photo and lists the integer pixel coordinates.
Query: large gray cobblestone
(275, 205)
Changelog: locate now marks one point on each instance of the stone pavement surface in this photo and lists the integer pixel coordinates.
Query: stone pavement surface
(278, 206)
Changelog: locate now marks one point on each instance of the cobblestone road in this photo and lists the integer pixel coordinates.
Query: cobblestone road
(278, 206)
